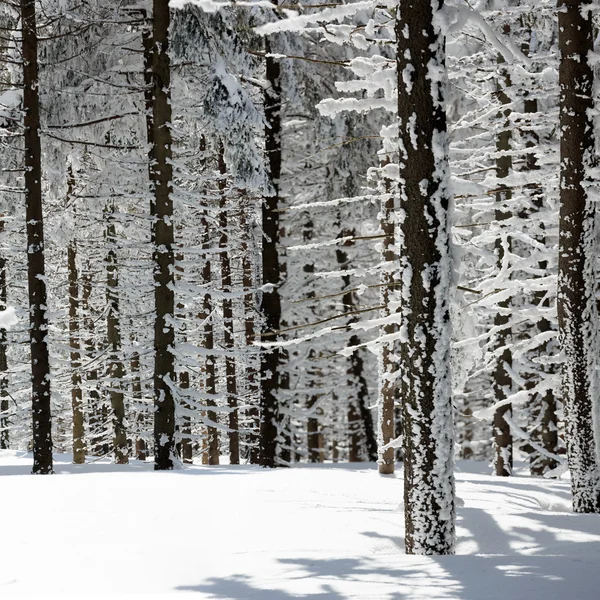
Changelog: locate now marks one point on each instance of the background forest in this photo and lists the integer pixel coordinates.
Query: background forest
(304, 232)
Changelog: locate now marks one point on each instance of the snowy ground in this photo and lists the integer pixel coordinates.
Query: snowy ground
(330, 532)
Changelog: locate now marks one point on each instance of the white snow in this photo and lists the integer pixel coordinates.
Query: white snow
(331, 532)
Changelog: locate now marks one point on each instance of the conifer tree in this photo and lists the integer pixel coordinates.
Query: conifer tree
(425, 280)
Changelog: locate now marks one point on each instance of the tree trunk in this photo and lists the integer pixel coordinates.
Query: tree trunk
(503, 459)
(38, 320)
(212, 457)
(545, 407)
(97, 420)
(116, 368)
(359, 415)
(164, 261)
(185, 449)
(388, 391)
(270, 304)
(425, 271)
(4, 397)
(136, 393)
(252, 375)
(577, 318)
(228, 323)
(74, 342)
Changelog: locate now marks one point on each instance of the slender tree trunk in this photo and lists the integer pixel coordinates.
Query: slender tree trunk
(252, 374)
(116, 368)
(38, 320)
(388, 391)
(74, 342)
(136, 393)
(97, 421)
(185, 446)
(164, 261)
(577, 318)
(545, 406)
(359, 415)
(270, 304)
(312, 422)
(212, 457)
(425, 270)
(4, 398)
(228, 339)
(502, 380)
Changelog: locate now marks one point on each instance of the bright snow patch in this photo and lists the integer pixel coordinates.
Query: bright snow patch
(318, 532)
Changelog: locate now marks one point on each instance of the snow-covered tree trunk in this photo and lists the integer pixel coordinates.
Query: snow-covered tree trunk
(137, 395)
(4, 398)
(502, 381)
(545, 405)
(164, 260)
(270, 305)
(208, 344)
(360, 420)
(116, 369)
(184, 447)
(36, 273)
(228, 325)
(425, 271)
(252, 374)
(75, 356)
(95, 404)
(577, 316)
(388, 387)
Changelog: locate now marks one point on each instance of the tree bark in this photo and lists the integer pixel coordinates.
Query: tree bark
(425, 269)
(577, 318)
(388, 388)
(270, 304)
(163, 257)
(38, 320)
(228, 338)
(252, 374)
(4, 397)
(502, 381)
(545, 406)
(116, 369)
(97, 421)
(75, 344)
(185, 448)
(137, 395)
(359, 416)
(208, 343)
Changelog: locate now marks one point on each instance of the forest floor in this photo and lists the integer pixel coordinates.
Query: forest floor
(327, 532)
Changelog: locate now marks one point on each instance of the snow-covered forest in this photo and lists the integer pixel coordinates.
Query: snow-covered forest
(338, 254)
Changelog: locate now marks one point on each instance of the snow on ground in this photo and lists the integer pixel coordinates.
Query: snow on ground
(329, 532)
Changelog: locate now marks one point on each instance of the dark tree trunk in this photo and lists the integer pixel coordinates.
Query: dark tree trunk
(74, 342)
(313, 437)
(164, 260)
(425, 281)
(503, 459)
(545, 406)
(137, 395)
(228, 339)
(4, 397)
(212, 442)
(359, 415)
(97, 421)
(270, 305)
(577, 318)
(252, 375)
(185, 447)
(38, 320)
(388, 392)
(116, 369)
